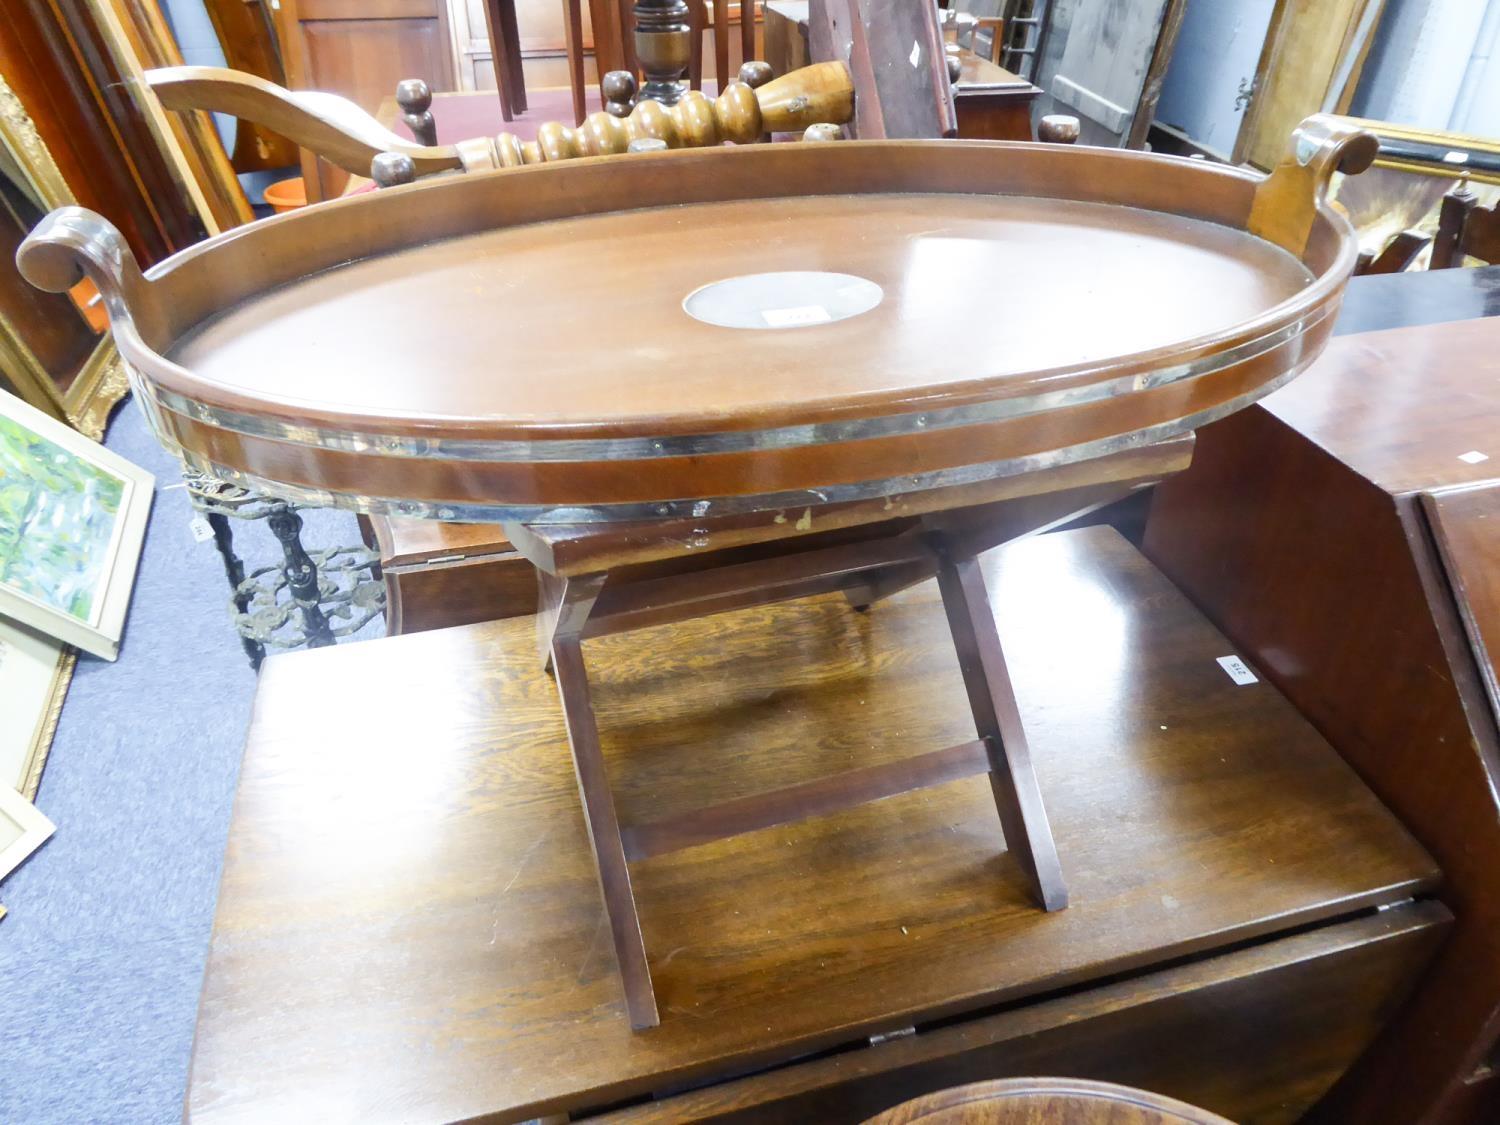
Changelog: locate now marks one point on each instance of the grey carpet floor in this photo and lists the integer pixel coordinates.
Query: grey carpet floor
(102, 952)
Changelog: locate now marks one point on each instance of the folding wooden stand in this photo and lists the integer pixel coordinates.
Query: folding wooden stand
(601, 579)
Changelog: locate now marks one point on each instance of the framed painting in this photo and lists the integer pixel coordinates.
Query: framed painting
(72, 521)
(35, 671)
(22, 829)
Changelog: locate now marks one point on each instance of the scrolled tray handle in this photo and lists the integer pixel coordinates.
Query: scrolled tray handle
(73, 242)
(1287, 201)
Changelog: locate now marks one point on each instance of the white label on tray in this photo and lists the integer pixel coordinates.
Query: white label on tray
(796, 317)
(1473, 457)
(1238, 672)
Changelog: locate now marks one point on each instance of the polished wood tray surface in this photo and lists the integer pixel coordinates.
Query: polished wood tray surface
(531, 344)
(578, 325)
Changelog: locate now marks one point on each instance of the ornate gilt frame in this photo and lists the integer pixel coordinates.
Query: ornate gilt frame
(101, 383)
(86, 405)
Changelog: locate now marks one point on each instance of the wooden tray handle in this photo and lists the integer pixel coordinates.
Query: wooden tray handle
(72, 242)
(812, 95)
(1287, 201)
(333, 127)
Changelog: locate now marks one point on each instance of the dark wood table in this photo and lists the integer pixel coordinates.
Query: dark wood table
(1346, 534)
(409, 929)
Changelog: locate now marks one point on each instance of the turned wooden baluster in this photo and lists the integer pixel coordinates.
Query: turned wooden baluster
(815, 95)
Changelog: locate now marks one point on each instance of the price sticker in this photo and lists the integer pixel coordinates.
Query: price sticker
(798, 317)
(202, 530)
(1237, 670)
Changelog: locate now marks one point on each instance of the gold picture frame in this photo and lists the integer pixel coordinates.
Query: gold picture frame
(35, 671)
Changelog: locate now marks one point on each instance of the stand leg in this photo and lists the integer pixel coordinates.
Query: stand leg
(602, 821)
(301, 576)
(1018, 798)
(234, 570)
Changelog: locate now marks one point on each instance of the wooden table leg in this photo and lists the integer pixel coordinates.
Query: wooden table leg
(747, 30)
(696, 21)
(599, 811)
(721, 42)
(515, 59)
(1018, 797)
(500, 52)
(573, 31)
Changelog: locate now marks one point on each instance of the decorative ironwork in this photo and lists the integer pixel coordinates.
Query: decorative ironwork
(311, 598)
(283, 611)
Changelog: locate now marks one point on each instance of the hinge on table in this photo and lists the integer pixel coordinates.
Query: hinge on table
(886, 1036)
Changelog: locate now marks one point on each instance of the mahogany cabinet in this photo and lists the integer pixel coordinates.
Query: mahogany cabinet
(361, 49)
(1344, 535)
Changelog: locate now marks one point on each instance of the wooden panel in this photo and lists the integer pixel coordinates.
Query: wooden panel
(56, 63)
(460, 592)
(145, 43)
(417, 873)
(786, 35)
(246, 32)
(1102, 87)
(1401, 408)
(362, 49)
(1466, 528)
(1307, 41)
(895, 51)
(1295, 530)
(1301, 1008)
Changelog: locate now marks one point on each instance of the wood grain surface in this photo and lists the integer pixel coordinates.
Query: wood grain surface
(1299, 530)
(1045, 1101)
(1466, 527)
(408, 923)
(1169, 281)
(1425, 397)
(1257, 1034)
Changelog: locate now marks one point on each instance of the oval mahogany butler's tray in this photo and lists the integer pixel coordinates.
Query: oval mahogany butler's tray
(708, 332)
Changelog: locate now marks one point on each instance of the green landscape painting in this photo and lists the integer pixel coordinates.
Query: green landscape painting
(57, 519)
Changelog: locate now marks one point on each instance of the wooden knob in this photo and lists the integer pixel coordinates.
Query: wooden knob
(755, 73)
(1058, 129)
(955, 68)
(415, 99)
(389, 169)
(823, 131)
(619, 90)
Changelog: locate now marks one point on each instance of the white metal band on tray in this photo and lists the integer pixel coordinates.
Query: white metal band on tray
(705, 508)
(729, 441)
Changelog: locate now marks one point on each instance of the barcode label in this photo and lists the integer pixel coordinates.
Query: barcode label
(1238, 672)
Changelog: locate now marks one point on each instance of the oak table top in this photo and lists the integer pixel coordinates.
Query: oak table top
(408, 924)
